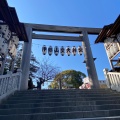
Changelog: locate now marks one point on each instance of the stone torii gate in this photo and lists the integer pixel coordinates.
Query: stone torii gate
(25, 33)
(83, 37)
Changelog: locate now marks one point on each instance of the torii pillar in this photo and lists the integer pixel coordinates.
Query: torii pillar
(92, 74)
(25, 66)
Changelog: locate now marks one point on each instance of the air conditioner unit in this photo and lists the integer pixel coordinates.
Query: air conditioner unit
(3, 46)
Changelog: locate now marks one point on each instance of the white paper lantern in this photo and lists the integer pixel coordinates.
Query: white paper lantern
(80, 50)
(10, 45)
(115, 47)
(7, 36)
(44, 50)
(62, 51)
(111, 51)
(108, 53)
(15, 40)
(3, 47)
(74, 50)
(4, 29)
(68, 51)
(50, 50)
(56, 50)
(6, 32)
(13, 51)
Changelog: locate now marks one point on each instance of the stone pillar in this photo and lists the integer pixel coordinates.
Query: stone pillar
(92, 74)
(26, 59)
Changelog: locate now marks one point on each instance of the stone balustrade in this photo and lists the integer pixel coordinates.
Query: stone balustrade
(9, 83)
(112, 80)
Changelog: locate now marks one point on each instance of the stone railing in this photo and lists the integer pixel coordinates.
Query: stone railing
(112, 80)
(9, 83)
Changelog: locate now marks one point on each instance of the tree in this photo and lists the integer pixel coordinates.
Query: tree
(47, 71)
(67, 79)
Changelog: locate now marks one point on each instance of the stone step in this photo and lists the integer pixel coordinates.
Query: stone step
(21, 92)
(46, 104)
(62, 99)
(56, 104)
(98, 118)
(62, 115)
(59, 96)
(13, 111)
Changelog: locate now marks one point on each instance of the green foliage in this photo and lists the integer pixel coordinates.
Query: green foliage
(69, 78)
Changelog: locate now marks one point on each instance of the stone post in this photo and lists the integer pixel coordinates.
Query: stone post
(107, 78)
(26, 59)
(92, 74)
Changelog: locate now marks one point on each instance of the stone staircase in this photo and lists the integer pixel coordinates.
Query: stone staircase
(98, 104)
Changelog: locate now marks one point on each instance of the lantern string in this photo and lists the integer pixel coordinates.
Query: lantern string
(54, 45)
(39, 45)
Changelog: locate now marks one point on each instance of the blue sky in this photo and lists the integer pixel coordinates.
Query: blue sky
(81, 13)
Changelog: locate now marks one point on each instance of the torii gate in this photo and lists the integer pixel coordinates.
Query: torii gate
(25, 33)
(82, 31)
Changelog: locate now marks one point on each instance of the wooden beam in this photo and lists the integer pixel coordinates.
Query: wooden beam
(55, 37)
(63, 29)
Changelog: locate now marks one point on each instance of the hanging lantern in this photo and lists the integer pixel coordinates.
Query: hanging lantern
(62, 51)
(44, 50)
(80, 50)
(56, 50)
(68, 51)
(15, 39)
(74, 50)
(50, 50)
(3, 47)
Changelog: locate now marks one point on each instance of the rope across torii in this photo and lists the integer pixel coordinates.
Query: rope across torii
(82, 33)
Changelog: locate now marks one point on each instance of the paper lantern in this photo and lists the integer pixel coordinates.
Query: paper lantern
(80, 50)
(50, 50)
(56, 50)
(68, 51)
(108, 53)
(6, 32)
(115, 47)
(74, 50)
(12, 50)
(62, 51)
(3, 46)
(44, 50)
(15, 40)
